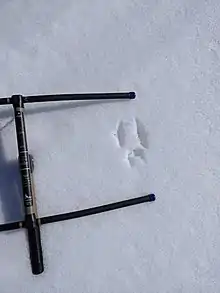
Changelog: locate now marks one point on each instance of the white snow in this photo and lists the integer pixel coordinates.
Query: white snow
(165, 142)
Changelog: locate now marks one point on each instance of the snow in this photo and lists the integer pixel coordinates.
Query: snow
(86, 154)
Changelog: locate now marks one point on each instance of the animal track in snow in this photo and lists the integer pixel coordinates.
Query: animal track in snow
(132, 137)
(214, 47)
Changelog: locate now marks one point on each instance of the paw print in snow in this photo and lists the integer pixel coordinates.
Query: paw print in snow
(132, 137)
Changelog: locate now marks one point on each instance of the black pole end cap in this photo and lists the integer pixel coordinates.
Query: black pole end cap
(132, 95)
(151, 197)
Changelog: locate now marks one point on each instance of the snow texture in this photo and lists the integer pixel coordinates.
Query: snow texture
(166, 142)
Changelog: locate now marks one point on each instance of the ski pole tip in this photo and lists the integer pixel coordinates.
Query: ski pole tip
(132, 95)
(151, 197)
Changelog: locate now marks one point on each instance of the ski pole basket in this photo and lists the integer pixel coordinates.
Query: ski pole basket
(31, 221)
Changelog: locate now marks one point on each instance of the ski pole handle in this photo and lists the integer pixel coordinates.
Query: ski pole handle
(35, 248)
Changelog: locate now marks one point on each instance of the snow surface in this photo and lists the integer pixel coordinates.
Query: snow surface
(165, 142)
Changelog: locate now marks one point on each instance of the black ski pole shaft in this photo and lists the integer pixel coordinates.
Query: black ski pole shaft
(82, 213)
(11, 226)
(79, 97)
(5, 101)
(71, 97)
(98, 209)
(30, 222)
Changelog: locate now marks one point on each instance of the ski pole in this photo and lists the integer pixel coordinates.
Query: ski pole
(31, 223)
(71, 97)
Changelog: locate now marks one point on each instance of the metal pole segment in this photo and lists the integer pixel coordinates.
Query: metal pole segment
(78, 97)
(5, 101)
(11, 226)
(83, 213)
(98, 209)
(71, 97)
(31, 223)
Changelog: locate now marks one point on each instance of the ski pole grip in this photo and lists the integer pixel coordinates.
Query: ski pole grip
(35, 248)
